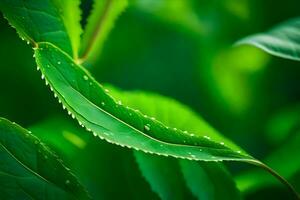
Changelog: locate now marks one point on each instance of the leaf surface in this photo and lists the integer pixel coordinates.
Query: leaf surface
(165, 175)
(282, 41)
(100, 23)
(29, 170)
(53, 21)
(108, 118)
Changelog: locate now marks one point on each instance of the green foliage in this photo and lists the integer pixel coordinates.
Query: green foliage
(145, 122)
(29, 170)
(282, 41)
(100, 23)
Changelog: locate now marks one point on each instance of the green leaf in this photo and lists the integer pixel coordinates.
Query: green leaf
(209, 180)
(29, 170)
(53, 21)
(100, 23)
(112, 166)
(282, 41)
(163, 175)
(107, 118)
(284, 160)
(97, 111)
(205, 180)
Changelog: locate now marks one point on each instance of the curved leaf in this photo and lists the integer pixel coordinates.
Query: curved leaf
(100, 23)
(29, 170)
(107, 118)
(282, 41)
(205, 180)
(53, 21)
(102, 172)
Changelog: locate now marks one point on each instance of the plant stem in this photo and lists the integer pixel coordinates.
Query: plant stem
(96, 33)
(276, 175)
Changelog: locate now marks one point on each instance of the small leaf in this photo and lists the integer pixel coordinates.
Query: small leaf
(282, 41)
(100, 23)
(29, 170)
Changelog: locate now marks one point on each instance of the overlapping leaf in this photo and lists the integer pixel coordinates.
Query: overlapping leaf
(50, 20)
(282, 41)
(29, 170)
(100, 23)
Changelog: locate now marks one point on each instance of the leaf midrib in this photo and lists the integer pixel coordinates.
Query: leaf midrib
(116, 118)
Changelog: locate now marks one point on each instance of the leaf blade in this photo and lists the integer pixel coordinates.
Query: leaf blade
(282, 41)
(116, 123)
(24, 166)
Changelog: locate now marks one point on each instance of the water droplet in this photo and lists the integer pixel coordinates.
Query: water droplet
(147, 127)
(206, 137)
(73, 116)
(69, 113)
(55, 95)
(238, 151)
(192, 134)
(58, 62)
(37, 68)
(222, 143)
(91, 83)
(67, 182)
(85, 77)
(36, 142)
(103, 103)
(119, 102)
(64, 107)
(106, 90)
(175, 129)
(95, 134)
(46, 82)
(28, 42)
(153, 118)
(105, 133)
(185, 132)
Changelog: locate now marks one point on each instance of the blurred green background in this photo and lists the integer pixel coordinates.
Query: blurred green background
(182, 49)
